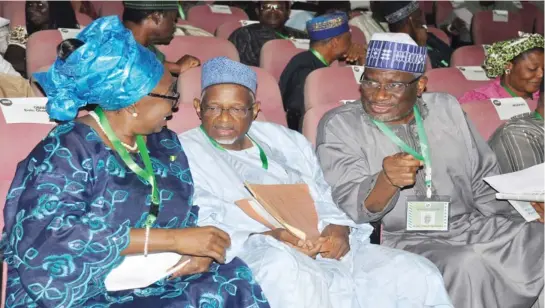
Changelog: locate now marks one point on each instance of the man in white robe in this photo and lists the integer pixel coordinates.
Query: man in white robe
(230, 149)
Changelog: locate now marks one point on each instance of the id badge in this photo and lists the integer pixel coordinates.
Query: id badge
(425, 214)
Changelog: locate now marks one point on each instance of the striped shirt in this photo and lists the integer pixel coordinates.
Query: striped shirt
(518, 144)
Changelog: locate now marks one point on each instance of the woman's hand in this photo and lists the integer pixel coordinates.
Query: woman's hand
(203, 242)
(196, 265)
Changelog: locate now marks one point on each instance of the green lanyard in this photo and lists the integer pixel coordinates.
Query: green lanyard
(281, 35)
(181, 11)
(262, 155)
(425, 156)
(124, 154)
(506, 88)
(319, 56)
(537, 116)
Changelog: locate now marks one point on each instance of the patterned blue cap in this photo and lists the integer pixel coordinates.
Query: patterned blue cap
(327, 26)
(222, 70)
(395, 51)
(111, 69)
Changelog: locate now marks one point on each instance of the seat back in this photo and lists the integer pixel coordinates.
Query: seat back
(529, 15)
(41, 49)
(450, 80)
(83, 20)
(440, 34)
(108, 8)
(15, 12)
(268, 93)
(485, 30)
(225, 30)
(203, 17)
(357, 35)
(330, 85)
(275, 55)
(484, 116)
(443, 9)
(312, 118)
(202, 47)
(539, 27)
(472, 55)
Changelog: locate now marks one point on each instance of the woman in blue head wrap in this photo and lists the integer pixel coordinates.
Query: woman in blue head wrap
(112, 184)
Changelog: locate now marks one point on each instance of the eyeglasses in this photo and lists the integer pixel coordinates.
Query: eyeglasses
(269, 7)
(214, 111)
(393, 87)
(175, 99)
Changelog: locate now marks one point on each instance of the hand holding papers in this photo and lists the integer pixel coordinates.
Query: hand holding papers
(519, 188)
(287, 206)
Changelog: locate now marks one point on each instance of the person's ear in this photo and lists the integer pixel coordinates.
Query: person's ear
(156, 18)
(508, 68)
(256, 108)
(197, 106)
(421, 86)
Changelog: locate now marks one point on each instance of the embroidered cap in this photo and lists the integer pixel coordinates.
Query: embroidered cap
(395, 51)
(110, 69)
(327, 26)
(222, 70)
(151, 5)
(398, 10)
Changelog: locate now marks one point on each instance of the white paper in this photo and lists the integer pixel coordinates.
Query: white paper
(358, 72)
(530, 197)
(220, 9)
(138, 271)
(500, 16)
(530, 180)
(301, 43)
(464, 14)
(245, 23)
(473, 73)
(69, 33)
(346, 101)
(259, 209)
(510, 107)
(25, 110)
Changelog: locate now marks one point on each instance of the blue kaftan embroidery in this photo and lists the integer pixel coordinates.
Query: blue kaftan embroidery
(68, 215)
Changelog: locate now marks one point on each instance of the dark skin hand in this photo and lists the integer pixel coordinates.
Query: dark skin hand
(538, 206)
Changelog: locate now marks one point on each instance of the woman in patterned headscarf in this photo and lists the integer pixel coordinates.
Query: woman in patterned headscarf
(516, 65)
(110, 187)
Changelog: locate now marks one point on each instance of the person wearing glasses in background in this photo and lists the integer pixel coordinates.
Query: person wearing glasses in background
(109, 184)
(272, 18)
(339, 270)
(412, 160)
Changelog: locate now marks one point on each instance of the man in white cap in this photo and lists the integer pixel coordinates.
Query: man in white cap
(378, 154)
(229, 149)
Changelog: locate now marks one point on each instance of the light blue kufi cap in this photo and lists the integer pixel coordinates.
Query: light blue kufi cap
(395, 51)
(221, 70)
(111, 69)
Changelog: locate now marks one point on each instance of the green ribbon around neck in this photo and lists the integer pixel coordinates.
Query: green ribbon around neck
(146, 174)
(262, 155)
(424, 146)
(181, 11)
(537, 116)
(319, 56)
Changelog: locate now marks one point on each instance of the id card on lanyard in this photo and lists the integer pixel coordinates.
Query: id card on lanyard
(429, 212)
(146, 173)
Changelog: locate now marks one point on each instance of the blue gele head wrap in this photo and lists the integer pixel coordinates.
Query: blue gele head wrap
(221, 70)
(327, 26)
(110, 69)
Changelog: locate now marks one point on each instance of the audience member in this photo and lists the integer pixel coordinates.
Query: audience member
(371, 21)
(330, 40)
(87, 195)
(378, 155)
(40, 15)
(230, 149)
(272, 18)
(518, 144)
(516, 65)
(458, 23)
(85, 7)
(154, 23)
(406, 17)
